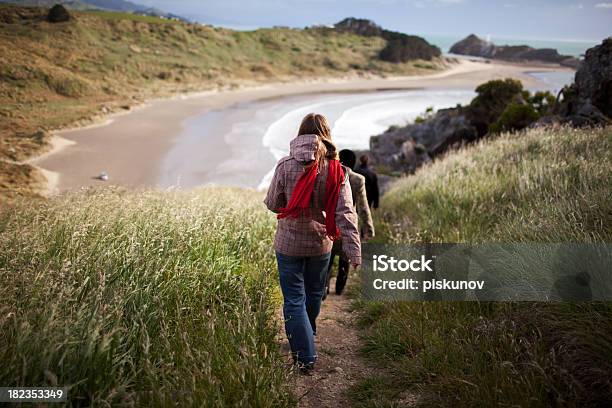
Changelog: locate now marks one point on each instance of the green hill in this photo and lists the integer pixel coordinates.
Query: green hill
(542, 185)
(53, 75)
(108, 5)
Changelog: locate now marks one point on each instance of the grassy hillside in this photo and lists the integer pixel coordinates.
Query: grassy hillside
(53, 75)
(542, 186)
(142, 298)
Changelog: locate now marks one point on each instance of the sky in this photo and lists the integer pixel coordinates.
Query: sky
(528, 19)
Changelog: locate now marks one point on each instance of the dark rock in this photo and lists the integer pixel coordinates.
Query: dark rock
(547, 121)
(406, 148)
(571, 62)
(58, 14)
(411, 156)
(586, 114)
(588, 101)
(475, 46)
(594, 78)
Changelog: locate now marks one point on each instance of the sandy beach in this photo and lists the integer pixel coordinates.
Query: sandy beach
(132, 148)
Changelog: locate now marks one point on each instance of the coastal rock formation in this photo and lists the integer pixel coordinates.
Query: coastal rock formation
(406, 148)
(501, 105)
(400, 47)
(475, 46)
(594, 79)
(589, 100)
(58, 14)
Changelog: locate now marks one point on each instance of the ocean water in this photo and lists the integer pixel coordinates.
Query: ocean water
(555, 80)
(255, 135)
(217, 146)
(354, 118)
(566, 47)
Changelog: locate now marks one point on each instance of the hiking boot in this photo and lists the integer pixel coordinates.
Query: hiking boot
(305, 369)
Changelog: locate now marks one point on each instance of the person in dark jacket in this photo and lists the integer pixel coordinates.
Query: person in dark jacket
(360, 201)
(371, 180)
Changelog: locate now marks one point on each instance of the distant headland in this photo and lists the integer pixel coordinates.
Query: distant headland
(477, 47)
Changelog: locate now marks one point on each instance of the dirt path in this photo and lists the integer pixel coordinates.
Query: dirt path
(339, 364)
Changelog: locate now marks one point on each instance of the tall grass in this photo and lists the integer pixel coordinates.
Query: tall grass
(542, 185)
(142, 298)
(539, 186)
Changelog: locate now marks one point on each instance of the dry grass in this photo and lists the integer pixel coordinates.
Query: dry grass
(142, 298)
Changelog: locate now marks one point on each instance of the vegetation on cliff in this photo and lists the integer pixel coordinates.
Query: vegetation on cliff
(541, 185)
(500, 105)
(123, 6)
(58, 74)
(400, 47)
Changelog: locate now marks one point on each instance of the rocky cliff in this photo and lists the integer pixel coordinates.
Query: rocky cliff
(476, 46)
(501, 105)
(589, 100)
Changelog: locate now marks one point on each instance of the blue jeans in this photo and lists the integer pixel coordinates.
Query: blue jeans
(302, 280)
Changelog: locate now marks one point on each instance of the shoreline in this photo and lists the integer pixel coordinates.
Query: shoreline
(139, 137)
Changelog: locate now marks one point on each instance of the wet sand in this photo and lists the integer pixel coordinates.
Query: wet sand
(132, 147)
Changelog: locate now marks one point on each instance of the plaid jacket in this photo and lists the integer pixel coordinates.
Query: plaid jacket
(305, 235)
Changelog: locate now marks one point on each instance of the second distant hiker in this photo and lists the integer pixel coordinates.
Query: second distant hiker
(360, 201)
(371, 180)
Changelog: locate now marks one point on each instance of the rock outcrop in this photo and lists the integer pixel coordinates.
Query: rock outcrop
(501, 105)
(58, 14)
(588, 101)
(405, 149)
(477, 47)
(400, 47)
(594, 78)
(473, 45)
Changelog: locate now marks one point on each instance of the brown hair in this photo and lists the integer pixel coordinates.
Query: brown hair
(317, 124)
(364, 159)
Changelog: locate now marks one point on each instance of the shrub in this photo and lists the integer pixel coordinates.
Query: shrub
(491, 101)
(67, 86)
(402, 48)
(543, 102)
(515, 117)
(58, 14)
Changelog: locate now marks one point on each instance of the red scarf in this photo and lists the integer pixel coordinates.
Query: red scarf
(300, 197)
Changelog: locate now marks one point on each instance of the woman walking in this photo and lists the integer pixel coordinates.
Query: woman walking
(311, 195)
